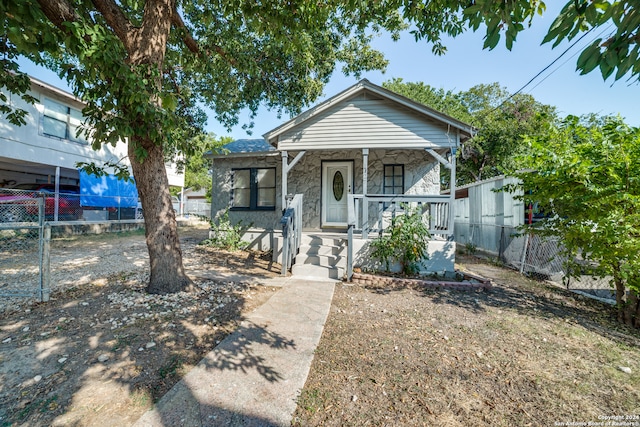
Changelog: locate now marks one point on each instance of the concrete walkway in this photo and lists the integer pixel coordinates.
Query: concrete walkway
(254, 376)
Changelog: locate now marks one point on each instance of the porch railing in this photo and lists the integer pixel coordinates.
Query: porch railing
(372, 213)
(383, 207)
(291, 231)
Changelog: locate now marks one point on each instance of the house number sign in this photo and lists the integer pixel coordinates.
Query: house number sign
(338, 185)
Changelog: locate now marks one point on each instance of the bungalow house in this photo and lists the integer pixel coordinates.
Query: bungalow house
(350, 162)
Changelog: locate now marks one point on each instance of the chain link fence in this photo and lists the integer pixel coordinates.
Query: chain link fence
(26, 217)
(21, 205)
(24, 246)
(533, 255)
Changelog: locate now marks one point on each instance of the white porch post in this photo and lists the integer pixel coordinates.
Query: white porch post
(285, 172)
(452, 194)
(286, 167)
(365, 184)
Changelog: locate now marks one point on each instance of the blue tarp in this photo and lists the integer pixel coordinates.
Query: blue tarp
(107, 191)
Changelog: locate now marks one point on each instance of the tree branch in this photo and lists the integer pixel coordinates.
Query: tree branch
(177, 22)
(59, 12)
(118, 22)
(192, 45)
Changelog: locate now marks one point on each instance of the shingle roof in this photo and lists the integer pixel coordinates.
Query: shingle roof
(249, 146)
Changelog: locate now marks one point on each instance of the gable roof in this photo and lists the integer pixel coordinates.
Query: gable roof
(466, 130)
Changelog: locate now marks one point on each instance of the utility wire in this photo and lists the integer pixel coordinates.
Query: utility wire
(569, 59)
(542, 71)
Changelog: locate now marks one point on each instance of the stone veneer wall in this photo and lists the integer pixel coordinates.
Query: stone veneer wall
(422, 176)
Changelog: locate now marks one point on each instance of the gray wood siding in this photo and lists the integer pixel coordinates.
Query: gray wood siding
(367, 123)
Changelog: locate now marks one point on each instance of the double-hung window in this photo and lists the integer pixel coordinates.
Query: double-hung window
(393, 181)
(62, 121)
(254, 189)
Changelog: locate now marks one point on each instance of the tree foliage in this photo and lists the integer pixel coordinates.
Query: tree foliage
(587, 178)
(612, 53)
(197, 169)
(501, 121)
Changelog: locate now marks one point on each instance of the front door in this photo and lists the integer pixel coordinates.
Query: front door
(336, 184)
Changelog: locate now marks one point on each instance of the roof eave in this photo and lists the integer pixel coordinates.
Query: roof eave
(240, 155)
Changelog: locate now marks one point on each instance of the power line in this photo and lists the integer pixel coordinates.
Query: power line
(543, 70)
(569, 59)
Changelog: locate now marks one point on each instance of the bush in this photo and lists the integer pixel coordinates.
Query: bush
(406, 241)
(225, 235)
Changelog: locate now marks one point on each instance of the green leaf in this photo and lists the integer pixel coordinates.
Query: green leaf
(589, 58)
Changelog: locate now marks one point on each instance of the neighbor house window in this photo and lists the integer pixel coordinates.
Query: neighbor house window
(393, 180)
(62, 121)
(254, 188)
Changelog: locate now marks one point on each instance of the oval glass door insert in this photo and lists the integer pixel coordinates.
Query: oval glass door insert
(338, 186)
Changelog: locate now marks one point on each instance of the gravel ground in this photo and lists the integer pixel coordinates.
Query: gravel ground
(81, 260)
(75, 261)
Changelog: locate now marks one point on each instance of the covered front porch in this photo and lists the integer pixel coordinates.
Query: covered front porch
(335, 233)
(376, 179)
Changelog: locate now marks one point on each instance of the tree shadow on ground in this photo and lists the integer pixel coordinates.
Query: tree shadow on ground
(239, 351)
(103, 353)
(208, 395)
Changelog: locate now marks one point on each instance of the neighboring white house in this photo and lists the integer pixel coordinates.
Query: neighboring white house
(366, 145)
(46, 149)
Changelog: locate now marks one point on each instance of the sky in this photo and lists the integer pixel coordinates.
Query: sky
(465, 65)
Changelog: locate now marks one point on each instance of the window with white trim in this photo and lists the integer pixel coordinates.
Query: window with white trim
(62, 121)
(253, 189)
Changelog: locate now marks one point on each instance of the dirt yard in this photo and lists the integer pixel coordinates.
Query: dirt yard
(523, 354)
(101, 352)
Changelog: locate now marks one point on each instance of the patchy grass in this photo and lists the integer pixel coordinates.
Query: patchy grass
(526, 353)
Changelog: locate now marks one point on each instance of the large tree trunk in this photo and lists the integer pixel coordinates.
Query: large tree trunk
(146, 45)
(628, 303)
(631, 313)
(167, 273)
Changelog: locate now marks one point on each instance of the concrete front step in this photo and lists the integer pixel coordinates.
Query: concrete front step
(317, 271)
(321, 260)
(321, 256)
(322, 250)
(323, 240)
